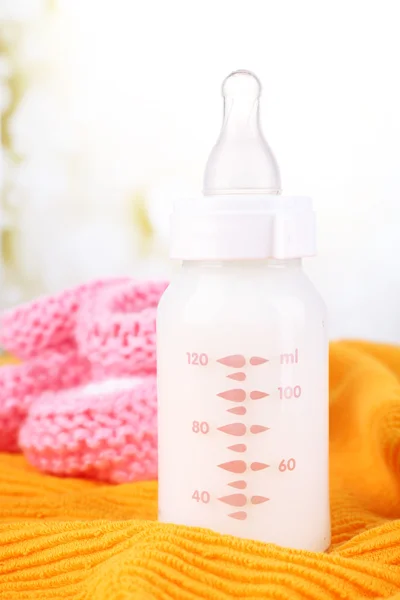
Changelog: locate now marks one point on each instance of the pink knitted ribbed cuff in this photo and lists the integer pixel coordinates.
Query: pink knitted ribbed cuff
(21, 385)
(72, 403)
(105, 431)
(47, 322)
(116, 329)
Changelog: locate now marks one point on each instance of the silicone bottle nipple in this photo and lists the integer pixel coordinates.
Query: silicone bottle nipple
(241, 162)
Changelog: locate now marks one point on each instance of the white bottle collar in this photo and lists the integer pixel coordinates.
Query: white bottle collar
(238, 227)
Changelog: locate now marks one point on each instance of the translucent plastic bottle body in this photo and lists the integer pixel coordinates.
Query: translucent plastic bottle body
(243, 402)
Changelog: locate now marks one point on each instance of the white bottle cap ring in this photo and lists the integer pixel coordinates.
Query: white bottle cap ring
(239, 227)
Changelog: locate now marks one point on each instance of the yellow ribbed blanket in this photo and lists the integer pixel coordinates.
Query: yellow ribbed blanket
(64, 538)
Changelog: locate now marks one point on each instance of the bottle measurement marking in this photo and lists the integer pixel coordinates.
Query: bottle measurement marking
(237, 410)
(241, 515)
(288, 392)
(239, 485)
(241, 499)
(237, 376)
(234, 466)
(287, 465)
(256, 395)
(203, 497)
(236, 361)
(238, 448)
(234, 499)
(258, 428)
(258, 360)
(237, 395)
(194, 358)
(290, 358)
(234, 429)
(258, 466)
(258, 499)
(200, 427)
(239, 429)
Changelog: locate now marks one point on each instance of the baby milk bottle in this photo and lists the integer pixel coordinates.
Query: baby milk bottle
(242, 350)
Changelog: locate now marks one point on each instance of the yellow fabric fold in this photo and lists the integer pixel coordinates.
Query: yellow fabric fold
(66, 538)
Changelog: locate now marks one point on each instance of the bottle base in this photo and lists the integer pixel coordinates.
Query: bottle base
(320, 543)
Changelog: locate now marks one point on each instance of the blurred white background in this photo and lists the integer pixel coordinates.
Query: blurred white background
(122, 104)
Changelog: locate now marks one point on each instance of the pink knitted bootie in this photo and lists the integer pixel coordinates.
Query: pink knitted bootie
(21, 385)
(42, 333)
(105, 430)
